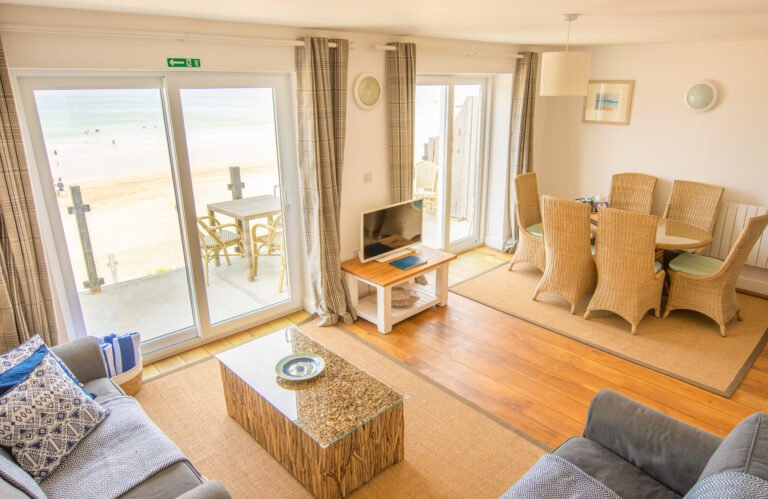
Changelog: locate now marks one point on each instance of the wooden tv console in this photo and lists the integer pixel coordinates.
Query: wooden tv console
(383, 276)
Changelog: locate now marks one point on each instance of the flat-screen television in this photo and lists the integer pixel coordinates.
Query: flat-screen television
(390, 229)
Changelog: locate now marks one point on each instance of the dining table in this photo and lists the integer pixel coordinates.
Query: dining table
(672, 234)
(243, 211)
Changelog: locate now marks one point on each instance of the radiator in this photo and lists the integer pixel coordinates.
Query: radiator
(730, 222)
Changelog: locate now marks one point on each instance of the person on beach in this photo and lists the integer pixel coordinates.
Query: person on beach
(59, 187)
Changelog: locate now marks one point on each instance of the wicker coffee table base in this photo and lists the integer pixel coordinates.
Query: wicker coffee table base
(333, 471)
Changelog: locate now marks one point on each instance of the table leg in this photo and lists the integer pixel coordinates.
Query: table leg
(248, 249)
(441, 285)
(352, 286)
(384, 308)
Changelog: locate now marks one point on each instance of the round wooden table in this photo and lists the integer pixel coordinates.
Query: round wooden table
(674, 235)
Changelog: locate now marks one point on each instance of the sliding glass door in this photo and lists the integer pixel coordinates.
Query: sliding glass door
(449, 158)
(165, 201)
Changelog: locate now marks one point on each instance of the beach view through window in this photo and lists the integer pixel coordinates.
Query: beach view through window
(111, 169)
(112, 173)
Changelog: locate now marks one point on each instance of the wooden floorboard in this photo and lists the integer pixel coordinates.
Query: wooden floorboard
(539, 381)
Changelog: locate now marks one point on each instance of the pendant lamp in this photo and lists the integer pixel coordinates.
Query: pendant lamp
(565, 73)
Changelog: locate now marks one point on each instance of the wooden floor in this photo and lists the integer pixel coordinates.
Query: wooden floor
(539, 381)
(535, 380)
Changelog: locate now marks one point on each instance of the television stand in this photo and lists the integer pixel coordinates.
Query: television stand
(383, 276)
(394, 255)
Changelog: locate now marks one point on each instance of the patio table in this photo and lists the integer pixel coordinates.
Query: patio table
(243, 211)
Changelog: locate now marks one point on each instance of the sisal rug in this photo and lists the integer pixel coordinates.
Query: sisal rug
(451, 449)
(686, 345)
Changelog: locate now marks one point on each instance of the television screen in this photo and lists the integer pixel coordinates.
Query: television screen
(391, 228)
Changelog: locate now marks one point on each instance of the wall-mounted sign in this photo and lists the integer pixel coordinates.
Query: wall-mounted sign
(182, 62)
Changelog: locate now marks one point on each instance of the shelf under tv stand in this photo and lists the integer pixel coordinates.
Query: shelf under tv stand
(383, 276)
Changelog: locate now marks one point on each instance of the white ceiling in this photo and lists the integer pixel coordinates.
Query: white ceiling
(512, 21)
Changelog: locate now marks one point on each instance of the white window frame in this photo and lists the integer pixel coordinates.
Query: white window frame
(478, 232)
(25, 82)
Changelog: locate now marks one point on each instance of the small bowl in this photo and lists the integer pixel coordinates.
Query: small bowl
(300, 367)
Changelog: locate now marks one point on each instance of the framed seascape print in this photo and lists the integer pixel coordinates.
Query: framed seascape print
(608, 101)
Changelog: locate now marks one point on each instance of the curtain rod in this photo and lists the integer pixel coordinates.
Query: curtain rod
(61, 30)
(389, 48)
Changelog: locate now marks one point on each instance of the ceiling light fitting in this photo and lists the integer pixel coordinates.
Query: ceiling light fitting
(566, 72)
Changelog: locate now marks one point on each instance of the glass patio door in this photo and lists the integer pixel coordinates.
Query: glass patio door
(163, 201)
(449, 156)
(107, 186)
(229, 144)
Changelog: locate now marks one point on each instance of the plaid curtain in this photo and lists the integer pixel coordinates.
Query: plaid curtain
(521, 132)
(401, 99)
(26, 303)
(322, 98)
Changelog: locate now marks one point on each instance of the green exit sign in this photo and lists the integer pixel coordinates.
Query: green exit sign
(183, 62)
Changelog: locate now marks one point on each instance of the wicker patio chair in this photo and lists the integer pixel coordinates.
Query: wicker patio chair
(530, 246)
(629, 281)
(272, 242)
(708, 285)
(570, 269)
(425, 183)
(633, 192)
(214, 240)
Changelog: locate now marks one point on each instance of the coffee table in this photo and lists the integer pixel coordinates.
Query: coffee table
(333, 433)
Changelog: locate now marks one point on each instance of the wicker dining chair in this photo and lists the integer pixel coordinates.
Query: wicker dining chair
(694, 203)
(629, 281)
(708, 285)
(633, 192)
(530, 246)
(570, 269)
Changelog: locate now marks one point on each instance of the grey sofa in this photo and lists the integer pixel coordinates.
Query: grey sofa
(639, 452)
(83, 357)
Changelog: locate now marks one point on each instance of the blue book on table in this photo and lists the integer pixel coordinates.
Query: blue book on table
(407, 262)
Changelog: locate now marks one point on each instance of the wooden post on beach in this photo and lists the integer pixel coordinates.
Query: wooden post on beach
(236, 186)
(79, 209)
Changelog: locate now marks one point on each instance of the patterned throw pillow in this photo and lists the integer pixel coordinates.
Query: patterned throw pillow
(19, 354)
(44, 417)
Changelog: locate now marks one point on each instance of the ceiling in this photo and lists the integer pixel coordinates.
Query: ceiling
(511, 21)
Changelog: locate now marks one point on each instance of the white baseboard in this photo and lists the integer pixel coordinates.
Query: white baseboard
(753, 279)
(494, 242)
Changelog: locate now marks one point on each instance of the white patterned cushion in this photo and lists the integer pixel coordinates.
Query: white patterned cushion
(19, 354)
(44, 417)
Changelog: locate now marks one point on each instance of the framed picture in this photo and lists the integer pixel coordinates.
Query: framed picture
(608, 101)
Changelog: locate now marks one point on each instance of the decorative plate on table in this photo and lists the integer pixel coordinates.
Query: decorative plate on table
(300, 366)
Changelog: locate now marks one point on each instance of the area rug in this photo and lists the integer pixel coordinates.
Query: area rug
(686, 345)
(451, 449)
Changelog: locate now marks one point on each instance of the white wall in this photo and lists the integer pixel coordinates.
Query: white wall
(366, 147)
(725, 146)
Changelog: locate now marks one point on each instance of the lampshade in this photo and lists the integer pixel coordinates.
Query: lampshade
(564, 73)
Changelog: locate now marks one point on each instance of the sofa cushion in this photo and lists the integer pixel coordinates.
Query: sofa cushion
(12, 358)
(170, 482)
(45, 416)
(103, 389)
(744, 450)
(620, 476)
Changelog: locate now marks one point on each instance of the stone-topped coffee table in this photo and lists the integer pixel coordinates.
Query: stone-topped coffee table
(333, 433)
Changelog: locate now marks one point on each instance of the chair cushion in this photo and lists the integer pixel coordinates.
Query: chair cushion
(744, 450)
(535, 230)
(689, 263)
(656, 267)
(224, 236)
(593, 249)
(608, 467)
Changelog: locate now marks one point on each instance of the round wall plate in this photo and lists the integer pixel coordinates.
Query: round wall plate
(701, 96)
(367, 90)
